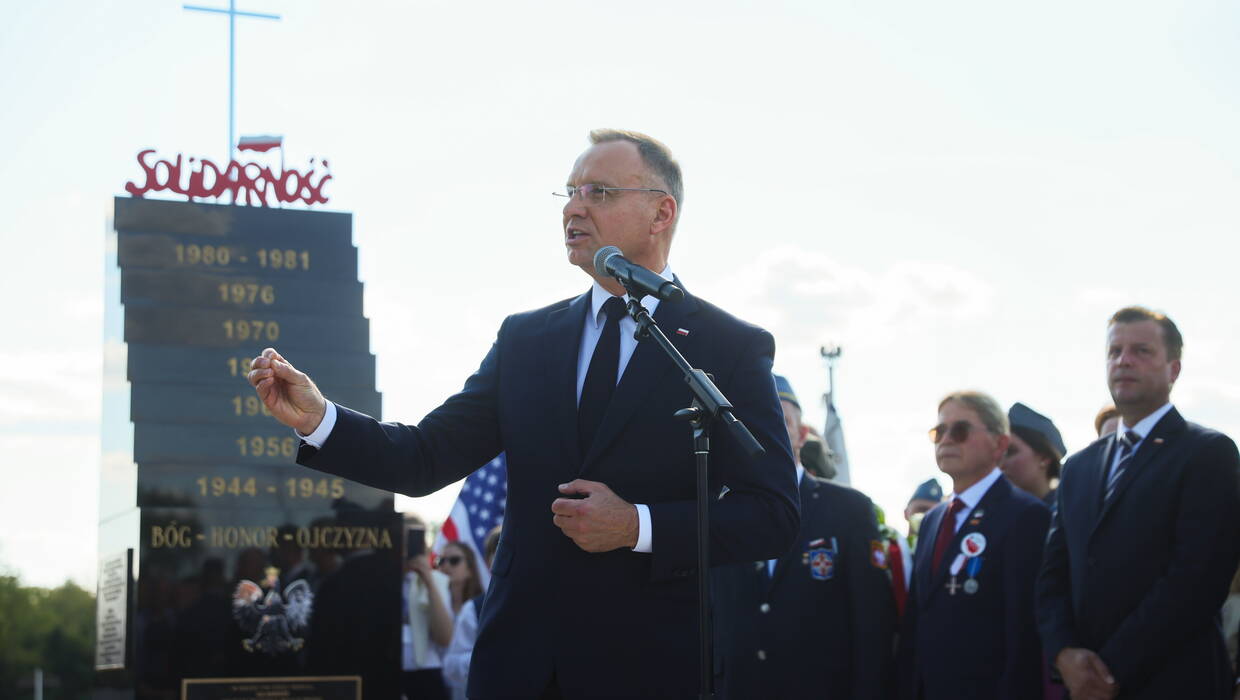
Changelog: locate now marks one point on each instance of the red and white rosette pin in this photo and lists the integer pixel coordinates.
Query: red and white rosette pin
(973, 544)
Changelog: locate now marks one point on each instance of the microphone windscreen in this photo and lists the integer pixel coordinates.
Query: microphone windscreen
(600, 259)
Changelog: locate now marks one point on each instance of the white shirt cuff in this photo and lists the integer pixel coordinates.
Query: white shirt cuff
(319, 436)
(644, 535)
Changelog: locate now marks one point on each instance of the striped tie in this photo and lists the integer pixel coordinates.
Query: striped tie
(1128, 443)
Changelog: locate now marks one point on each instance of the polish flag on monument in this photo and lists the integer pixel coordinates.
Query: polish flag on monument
(262, 144)
(478, 509)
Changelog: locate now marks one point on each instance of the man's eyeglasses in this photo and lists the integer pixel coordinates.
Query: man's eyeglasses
(597, 194)
(958, 431)
(452, 560)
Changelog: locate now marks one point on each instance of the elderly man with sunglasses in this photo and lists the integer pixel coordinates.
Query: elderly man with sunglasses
(968, 630)
(593, 590)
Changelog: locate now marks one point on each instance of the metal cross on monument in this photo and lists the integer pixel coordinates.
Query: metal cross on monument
(232, 13)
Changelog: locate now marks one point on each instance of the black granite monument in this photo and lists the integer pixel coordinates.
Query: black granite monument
(226, 570)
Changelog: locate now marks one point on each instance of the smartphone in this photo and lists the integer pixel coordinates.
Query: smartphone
(415, 542)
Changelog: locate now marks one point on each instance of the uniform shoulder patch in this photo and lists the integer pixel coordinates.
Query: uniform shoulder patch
(878, 555)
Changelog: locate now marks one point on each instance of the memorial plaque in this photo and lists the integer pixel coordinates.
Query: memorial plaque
(301, 688)
(213, 444)
(282, 257)
(234, 403)
(245, 292)
(189, 365)
(181, 540)
(276, 487)
(255, 577)
(272, 593)
(247, 330)
(112, 613)
(158, 216)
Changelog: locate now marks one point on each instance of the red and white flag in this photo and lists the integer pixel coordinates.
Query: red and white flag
(262, 144)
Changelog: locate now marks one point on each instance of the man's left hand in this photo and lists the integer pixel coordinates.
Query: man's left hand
(599, 520)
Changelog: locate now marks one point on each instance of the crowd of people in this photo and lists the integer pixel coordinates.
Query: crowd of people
(441, 605)
(992, 592)
(1041, 575)
(1102, 573)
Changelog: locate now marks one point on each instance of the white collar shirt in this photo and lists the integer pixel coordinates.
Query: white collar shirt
(973, 496)
(1142, 428)
(596, 320)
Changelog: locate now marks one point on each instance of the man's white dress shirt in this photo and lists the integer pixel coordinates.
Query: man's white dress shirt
(1142, 428)
(972, 496)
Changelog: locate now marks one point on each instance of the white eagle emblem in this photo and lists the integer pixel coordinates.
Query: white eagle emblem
(275, 624)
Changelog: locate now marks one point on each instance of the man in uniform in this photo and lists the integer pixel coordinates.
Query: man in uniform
(818, 621)
(928, 495)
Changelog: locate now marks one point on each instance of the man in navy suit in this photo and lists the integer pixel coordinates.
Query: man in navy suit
(1145, 539)
(968, 631)
(593, 590)
(818, 622)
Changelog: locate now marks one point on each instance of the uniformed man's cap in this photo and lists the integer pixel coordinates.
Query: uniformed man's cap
(1021, 416)
(784, 389)
(928, 491)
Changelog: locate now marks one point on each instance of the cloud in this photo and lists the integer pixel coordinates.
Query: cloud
(1211, 402)
(49, 386)
(807, 297)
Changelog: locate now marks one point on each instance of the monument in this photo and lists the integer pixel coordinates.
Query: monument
(226, 571)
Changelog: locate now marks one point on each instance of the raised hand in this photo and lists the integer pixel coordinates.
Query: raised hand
(289, 394)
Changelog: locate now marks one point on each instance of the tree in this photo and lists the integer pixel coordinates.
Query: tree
(52, 629)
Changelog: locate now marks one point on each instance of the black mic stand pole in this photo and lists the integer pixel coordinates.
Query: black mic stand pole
(708, 404)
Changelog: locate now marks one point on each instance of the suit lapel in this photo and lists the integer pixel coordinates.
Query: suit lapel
(925, 550)
(645, 370)
(1160, 436)
(561, 344)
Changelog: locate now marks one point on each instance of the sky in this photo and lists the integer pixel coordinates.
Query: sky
(957, 193)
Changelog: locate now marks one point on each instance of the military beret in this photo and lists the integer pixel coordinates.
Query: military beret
(929, 490)
(1021, 416)
(784, 389)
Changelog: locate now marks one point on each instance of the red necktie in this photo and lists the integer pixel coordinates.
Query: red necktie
(947, 530)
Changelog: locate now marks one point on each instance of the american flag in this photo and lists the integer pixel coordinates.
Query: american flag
(478, 509)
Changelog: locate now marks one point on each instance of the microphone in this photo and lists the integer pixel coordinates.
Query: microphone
(610, 262)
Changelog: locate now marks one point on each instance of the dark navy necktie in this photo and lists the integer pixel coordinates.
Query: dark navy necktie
(1128, 447)
(600, 381)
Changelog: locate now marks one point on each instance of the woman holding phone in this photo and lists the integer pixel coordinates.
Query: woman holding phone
(426, 617)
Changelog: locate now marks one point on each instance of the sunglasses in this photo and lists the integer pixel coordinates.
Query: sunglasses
(958, 431)
(453, 560)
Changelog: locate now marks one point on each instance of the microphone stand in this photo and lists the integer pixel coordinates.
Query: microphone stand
(708, 405)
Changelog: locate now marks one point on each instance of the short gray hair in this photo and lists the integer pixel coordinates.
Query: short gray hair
(657, 157)
(993, 417)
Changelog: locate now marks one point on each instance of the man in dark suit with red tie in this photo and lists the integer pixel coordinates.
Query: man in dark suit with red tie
(968, 631)
(593, 590)
(1146, 537)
